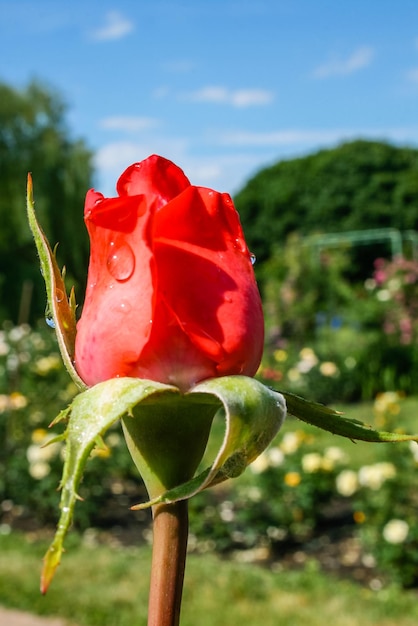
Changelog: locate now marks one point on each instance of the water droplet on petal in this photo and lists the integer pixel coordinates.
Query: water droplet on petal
(239, 244)
(148, 329)
(124, 307)
(121, 261)
(253, 259)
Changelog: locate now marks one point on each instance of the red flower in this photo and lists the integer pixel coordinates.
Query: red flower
(171, 294)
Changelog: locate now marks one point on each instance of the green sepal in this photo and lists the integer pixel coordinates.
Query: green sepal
(92, 413)
(334, 422)
(166, 432)
(61, 417)
(60, 306)
(253, 414)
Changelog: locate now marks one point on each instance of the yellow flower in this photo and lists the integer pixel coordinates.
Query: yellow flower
(39, 436)
(359, 517)
(328, 368)
(292, 479)
(280, 356)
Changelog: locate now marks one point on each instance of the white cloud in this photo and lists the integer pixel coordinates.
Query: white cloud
(128, 124)
(237, 98)
(359, 59)
(280, 137)
(179, 67)
(161, 92)
(223, 172)
(116, 26)
(412, 75)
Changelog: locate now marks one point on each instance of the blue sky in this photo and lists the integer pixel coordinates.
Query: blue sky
(222, 87)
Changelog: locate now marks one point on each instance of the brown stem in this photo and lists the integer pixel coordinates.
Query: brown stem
(168, 563)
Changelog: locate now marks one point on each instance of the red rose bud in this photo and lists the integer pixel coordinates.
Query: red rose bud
(171, 294)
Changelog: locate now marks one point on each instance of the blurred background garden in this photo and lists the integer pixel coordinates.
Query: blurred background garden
(337, 264)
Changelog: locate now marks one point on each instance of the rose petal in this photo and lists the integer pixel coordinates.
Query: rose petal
(206, 279)
(115, 322)
(155, 177)
(119, 214)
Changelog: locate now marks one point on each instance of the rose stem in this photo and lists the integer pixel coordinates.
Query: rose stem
(170, 534)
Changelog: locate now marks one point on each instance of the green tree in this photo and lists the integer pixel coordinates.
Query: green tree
(358, 185)
(34, 138)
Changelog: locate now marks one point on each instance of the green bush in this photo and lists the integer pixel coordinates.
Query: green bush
(334, 341)
(34, 388)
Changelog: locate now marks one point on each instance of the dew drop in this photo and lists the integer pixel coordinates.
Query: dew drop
(124, 307)
(59, 295)
(121, 261)
(253, 258)
(49, 318)
(239, 244)
(148, 329)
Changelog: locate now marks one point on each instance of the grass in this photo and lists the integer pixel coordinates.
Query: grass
(100, 585)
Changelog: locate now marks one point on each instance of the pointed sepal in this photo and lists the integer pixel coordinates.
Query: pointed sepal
(92, 413)
(60, 308)
(334, 422)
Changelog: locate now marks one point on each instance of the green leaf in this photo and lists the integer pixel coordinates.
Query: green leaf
(333, 422)
(253, 415)
(60, 306)
(91, 415)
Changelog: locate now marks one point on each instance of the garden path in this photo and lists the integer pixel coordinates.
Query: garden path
(11, 617)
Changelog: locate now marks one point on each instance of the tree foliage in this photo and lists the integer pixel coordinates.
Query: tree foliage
(34, 138)
(358, 185)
